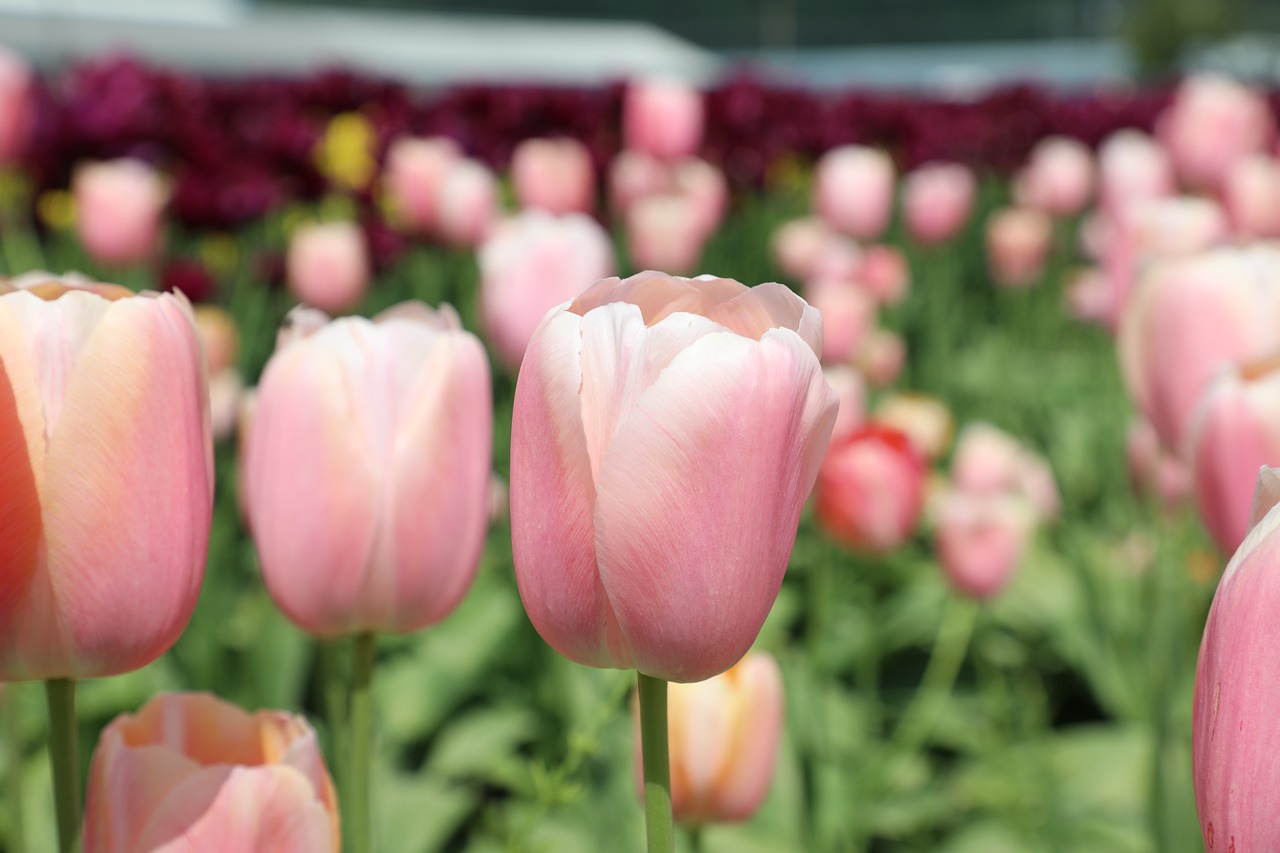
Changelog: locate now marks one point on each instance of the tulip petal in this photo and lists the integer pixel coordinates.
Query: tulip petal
(744, 783)
(128, 781)
(699, 497)
(1266, 494)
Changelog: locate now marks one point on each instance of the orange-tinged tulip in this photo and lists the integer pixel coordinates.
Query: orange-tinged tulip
(106, 478)
(190, 772)
(1017, 245)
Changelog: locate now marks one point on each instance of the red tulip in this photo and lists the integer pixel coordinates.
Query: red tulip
(871, 489)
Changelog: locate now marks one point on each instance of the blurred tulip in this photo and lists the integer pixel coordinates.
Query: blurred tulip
(884, 274)
(937, 199)
(467, 203)
(1088, 297)
(663, 232)
(414, 170)
(367, 468)
(118, 207)
(881, 357)
(988, 461)
(16, 105)
(220, 340)
(871, 489)
(530, 266)
(925, 420)
(663, 118)
(106, 478)
(851, 394)
(848, 316)
(838, 259)
(796, 245)
(328, 265)
(1017, 246)
(1155, 471)
(723, 736)
(1252, 196)
(1058, 179)
(1235, 732)
(981, 540)
(634, 175)
(1132, 167)
(192, 772)
(1213, 122)
(705, 187)
(853, 190)
(554, 175)
(666, 434)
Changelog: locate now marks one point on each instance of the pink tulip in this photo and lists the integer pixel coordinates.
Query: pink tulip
(706, 188)
(798, 243)
(1058, 179)
(851, 394)
(1252, 196)
(1089, 297)
(118, 207)
(881, 357)
(529, 267)
(936, 201)
(664, 232)
(723, 736)
(1235, 731)
(16, 105)
(327, 265)
(1132, 167)
(981, 540)
(925, 420)
(1213, 122)
(414, 171)
(1235, 432)
(555, 175)
(219, 337)
(1153, 470)
(367, 467)
(467, 203)
(838, 259)
(192, 772)
(989, 461)
(666, 434)
(106, 478)
(848, 316)
(871, 490)
(884, 274)
(663, 118)
(853, 190)
(1018, 242)
(634, 175)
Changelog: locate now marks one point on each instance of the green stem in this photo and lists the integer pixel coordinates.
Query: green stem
(61, 693)
(14, 840)
(361, 741)
(695, 838)
(939, 677)
(658, 821)
(333, 686)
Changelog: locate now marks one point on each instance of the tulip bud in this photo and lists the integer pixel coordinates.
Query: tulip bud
(989, 461)
(328, 265)
(118, 207)
(848, 316)
(414, 171)
(634, 175)
(663, 118)
(1017, 245)
(1212, 123)
(1132, 167)
(936, 201)
(555, 175)
(663, 233)
(871, 489)
(883, 273)
(853, 190)
(705, 187)
(467, 203)
(1058, 179)
(981, 540)
(797, 244)
(881, 357)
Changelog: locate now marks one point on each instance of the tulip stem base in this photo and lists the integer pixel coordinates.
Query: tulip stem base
(361, 742)
(657, 764)
(63, 754)
(9, 710)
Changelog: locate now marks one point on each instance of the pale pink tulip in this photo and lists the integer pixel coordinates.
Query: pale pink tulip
(1213, 122)
(1155, 471)
(884, 274)
(925, 420)
(106, 479)
(988, 461)
(1252, 196)
(666, 434)
(1235, 731)
(414, 171)
(1058, 179)
(555, 175)
(1088, 297)
(664, 233)
(848, 316)
(367, 468)
(1018, 242)
(1132, 167)
(838, 259)
(118, 208)
(851, 393)
(16, 105)
(797, 244)
(853, 190)
(532, 265)
(663, 118)
(937, 199)
(706, 188)
(327, 265)
(634, 175)
(881, 357)
(981, 540)
(723, 736)
(871, 489)
(190, 772)
(467, 203)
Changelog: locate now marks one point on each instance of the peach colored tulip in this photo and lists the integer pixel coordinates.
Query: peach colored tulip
(1017, 245)
(663, 232)
(881, 357)
(118, 207)
(532, 265)
(981, 540)
(937, 199)
(706, 188)
(1189, 319)
(663, 118)
(219, 337)
(987, 460)
(1236, 431)
(106, 478)
(848, 316)
(925, 420)
(1213, 122)
(190, 772)
(367, 467)
(327, 265)
(414, 171)
(634, 175)
(1252, 196)
(1155, 471)
(884, 274)
(851, 393)
(1132, 167)
(665, 436)
(555, 175)
(1058, 179)
(797, 244)
(1235, 732)
(871, 489)
(467, 203)
(723, 736)
(15, 105)
(853, 190)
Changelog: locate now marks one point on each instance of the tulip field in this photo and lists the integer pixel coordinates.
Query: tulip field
(913, 551)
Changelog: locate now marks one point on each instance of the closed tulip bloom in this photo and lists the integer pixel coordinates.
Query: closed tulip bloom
(851, 394)
(1058, 179)
(1017, 245)
(106, 478)
(664, 232)
(327, 265)
(1252, 196)
(555, 175)
(925, 420)
(723, 735)
(838, 259)
(634, 175)
(666, 433)
(16, 105)
(1132, 167)
(988, 460)
(1213, 122)
(192, 772)
(871, 489)
(796, 245)
(848, 316)
(884, 274)
(467, 203)
(118, 208)
(936, 201)
(1235, 731)
(532, 265)
(663, 118)
(368, 465)
(853, 190)
(881, 357)
(981, 540)
(706, 188)
(414, 171)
